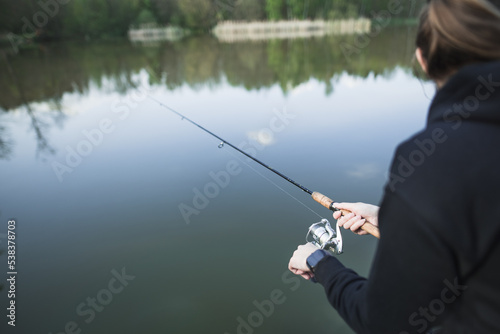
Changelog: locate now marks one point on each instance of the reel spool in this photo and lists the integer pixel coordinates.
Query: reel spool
(325, 237)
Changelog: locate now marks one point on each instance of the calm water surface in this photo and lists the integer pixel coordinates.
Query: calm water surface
(105, 182)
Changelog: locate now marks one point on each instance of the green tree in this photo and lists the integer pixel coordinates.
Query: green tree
(100, 18)
(249, 10)
(274, 9)
(12, 13)
(167, 12)
(145, 16)
(343, 9)
(111, 18)
(198, 14)
(299, 8)
(225, 9)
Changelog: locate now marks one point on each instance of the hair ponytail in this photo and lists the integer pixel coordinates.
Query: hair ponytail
(455, 33)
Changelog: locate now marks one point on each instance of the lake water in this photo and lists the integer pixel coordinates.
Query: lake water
(112, 233)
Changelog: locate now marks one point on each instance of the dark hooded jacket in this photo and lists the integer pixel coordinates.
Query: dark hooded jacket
(438, 260)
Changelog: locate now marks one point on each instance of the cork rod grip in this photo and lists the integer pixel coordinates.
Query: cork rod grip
(327, 203)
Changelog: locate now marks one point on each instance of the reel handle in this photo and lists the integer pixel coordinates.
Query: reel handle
(328, 203)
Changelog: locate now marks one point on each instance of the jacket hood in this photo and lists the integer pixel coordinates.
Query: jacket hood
(471, 94)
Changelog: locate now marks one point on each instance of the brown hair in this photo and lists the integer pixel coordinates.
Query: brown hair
(455, 33)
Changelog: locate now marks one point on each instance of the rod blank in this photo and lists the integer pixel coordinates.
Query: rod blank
(320, 198)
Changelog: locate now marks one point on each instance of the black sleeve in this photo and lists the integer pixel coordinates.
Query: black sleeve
(411, 282)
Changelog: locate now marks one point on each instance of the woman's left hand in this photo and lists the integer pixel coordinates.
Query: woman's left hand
(298, 264)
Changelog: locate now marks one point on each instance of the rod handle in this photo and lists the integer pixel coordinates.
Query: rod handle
(328, 203)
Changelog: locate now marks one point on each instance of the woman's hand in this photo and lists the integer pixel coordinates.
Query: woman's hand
(361, 213)
(298, 264)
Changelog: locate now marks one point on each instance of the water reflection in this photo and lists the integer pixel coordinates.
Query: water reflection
(120, 206)
(39, 121)
(37, 79)
(45, 73)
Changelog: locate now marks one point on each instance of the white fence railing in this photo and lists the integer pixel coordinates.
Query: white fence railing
(234, 31)
(230, 31)
(152, 33)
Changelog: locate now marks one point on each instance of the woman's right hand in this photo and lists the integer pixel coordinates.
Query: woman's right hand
(360, 213)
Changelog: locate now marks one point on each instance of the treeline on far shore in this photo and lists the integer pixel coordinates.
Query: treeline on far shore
(102, 19)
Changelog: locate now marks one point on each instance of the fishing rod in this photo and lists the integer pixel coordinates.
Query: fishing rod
(318, 197)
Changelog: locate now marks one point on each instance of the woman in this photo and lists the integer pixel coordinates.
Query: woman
(437, 264)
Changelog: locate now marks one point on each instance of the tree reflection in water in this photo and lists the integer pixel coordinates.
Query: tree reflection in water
(43, 74)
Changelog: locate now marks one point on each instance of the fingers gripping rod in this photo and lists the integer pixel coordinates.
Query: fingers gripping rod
(328, 203)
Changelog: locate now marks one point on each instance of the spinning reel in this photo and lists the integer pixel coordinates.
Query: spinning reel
(325, 237)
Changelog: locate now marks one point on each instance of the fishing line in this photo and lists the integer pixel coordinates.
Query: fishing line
(318, 197)
(277, 186)
(224, 142)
